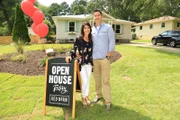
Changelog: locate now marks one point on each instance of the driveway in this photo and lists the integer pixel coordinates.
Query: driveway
(158, 46)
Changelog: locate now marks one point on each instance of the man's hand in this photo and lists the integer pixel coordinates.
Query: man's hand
(108, 54)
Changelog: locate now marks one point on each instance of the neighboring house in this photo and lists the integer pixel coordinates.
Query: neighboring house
(146, 30)
(68, 27)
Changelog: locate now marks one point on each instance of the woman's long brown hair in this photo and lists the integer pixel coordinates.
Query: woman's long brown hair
(82, 32)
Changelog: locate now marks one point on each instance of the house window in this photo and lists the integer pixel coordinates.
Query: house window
(163, 25)
(140, 27)
(178, 24)
(71, 40)
(151, 26)
(113, 26)
(71, 26)
(116, 28)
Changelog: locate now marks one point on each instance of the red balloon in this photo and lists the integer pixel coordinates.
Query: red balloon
(35, 8)
(37, 17)
(34, 28)
(27, 7)
(32, 1)
(42, 29)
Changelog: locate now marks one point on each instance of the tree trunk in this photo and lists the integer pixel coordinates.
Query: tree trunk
(6, 16)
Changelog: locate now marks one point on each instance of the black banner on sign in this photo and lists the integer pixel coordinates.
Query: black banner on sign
(60, 83)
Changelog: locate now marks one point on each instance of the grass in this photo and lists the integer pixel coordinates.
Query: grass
(146, 41)
(11, 48)
(145, 86)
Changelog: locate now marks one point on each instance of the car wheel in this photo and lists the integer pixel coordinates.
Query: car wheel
(154, 42)
(173, 43)
(164, 44)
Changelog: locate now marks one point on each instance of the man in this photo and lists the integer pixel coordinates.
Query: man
(103, 45)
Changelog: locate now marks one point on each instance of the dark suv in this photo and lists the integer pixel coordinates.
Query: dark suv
(171, 37)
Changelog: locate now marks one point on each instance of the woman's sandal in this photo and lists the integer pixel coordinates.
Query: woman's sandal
(84, 102)
(88, 101)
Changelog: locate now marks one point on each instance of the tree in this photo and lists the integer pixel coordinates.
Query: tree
(78, 7)
(96, 4)
(7, 8)
(20, 30)
(54, 10)
(50, 29)
(141, 10)
(65, 8)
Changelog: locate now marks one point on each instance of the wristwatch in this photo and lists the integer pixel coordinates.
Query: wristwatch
(108, 57)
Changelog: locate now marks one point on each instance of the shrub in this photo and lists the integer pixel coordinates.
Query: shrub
(2, 57)
(43, 61)
(20, 58)
(134, 36)
(50, 29)
(20, 30)
(19, 47)
(4, 30)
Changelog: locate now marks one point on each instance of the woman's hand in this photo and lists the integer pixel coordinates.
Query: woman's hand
(68, 59)
(78, 56)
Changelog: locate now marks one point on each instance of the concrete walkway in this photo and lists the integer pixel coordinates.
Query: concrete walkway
(158, 46)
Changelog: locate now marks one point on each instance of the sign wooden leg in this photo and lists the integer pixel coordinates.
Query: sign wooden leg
(74, 91)
(45, 86)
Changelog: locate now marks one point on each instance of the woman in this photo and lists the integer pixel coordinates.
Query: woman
(82, 50)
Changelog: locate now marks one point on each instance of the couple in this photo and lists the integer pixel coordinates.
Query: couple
(93, 49)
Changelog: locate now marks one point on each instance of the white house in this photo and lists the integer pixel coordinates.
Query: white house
(147, 29)
(68, 26)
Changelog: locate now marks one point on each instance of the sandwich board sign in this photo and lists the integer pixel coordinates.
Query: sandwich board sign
(60, 84)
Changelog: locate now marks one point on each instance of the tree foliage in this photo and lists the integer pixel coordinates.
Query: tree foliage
(20, 30)
(78, 7)
(141, 10)
(7, 8)
(50, 29)
(96, 4)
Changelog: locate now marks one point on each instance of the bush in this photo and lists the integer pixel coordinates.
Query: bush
(3, 31)
(19, 47)
(20, 30)
(20, 58)
(2, 57)
(134, 36)
(43, 61)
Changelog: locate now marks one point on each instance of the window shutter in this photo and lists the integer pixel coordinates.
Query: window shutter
(122, 29)
(77, 26)
(66, 26)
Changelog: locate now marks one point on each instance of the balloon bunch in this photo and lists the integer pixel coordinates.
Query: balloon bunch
(37, 16)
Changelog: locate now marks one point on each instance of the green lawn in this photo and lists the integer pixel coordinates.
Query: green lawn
(145, 86)
(146, 41)
(11, 48)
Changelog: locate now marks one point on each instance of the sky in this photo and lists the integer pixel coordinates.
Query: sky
(49, 2)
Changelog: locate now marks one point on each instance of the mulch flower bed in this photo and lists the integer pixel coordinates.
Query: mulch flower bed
(32, 66)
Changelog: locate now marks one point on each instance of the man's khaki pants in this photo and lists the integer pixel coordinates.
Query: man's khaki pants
(102, 78)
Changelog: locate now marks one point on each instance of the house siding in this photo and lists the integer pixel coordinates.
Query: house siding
(175, 25)
(146, 33)
(62, 32)
(62, 23)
